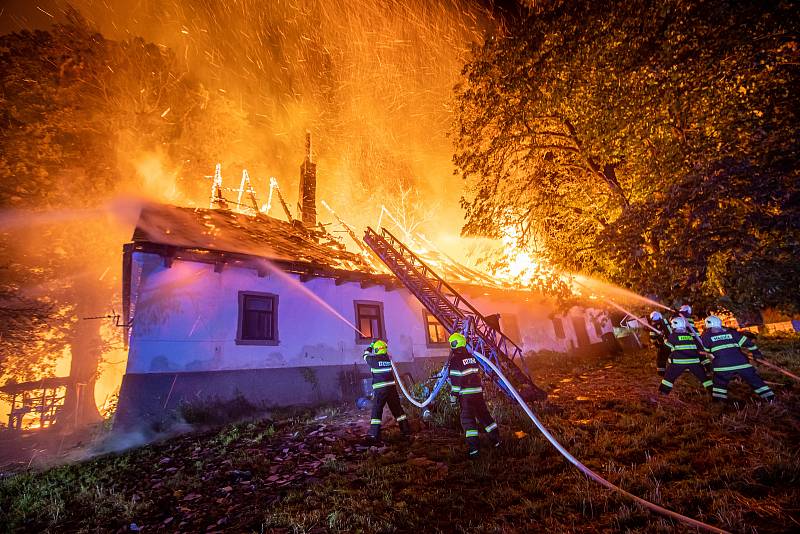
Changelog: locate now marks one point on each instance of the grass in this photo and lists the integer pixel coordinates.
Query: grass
(737, 468)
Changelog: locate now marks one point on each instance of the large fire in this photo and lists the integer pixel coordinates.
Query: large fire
(374, 78)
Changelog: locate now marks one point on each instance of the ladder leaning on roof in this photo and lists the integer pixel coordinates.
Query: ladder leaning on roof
(453, 311)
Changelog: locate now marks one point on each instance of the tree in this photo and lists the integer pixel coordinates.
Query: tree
(647, 143)
(73, 103)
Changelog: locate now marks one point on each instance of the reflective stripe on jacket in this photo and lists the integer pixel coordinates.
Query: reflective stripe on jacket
(465, 373)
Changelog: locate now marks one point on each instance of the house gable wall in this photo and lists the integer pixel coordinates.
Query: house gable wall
(186, 320)
(183, 340)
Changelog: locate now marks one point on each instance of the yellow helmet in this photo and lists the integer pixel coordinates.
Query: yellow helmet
(457, 340)
(380, 347)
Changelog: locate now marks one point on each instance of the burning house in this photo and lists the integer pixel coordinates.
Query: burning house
(222, 303)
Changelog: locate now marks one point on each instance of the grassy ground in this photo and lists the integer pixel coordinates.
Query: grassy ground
(734, 467)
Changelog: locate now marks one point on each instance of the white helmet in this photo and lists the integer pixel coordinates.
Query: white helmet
(678, 323)
(712, 321)
(685, 309)
(655, 316)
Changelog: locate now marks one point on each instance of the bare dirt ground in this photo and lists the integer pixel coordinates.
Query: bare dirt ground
(735, 467)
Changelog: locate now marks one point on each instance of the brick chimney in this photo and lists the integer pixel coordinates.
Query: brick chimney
(307, 199)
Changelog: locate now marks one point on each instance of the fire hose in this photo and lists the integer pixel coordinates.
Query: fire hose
(778, 368)
(436, 388)
(560, 448)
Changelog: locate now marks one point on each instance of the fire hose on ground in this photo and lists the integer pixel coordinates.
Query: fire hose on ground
(560, 448)
(777, 368)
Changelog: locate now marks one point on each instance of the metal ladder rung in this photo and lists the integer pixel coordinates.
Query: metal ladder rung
(448, 306)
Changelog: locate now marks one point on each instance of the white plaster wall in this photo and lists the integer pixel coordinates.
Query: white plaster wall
(536, 330)
(186, 319)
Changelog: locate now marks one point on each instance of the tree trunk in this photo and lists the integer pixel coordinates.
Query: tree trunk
(86, 346)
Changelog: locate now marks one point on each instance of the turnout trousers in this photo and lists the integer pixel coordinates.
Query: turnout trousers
(662, 354)
(382, 397)
(674, 370)
(473, 413)
(748, 374)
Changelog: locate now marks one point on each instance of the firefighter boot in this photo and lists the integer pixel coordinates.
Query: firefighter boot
(494, 434)
(405, 428)
(472, 443)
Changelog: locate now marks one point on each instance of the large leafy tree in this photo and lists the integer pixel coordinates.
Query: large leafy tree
(72, 104)
(652, 143)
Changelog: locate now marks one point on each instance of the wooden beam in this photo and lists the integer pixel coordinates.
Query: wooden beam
(219, 266)
(367, 283)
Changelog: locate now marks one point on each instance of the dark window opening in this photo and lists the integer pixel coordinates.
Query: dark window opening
(558, 326)
(369, 319)
(434, 331)
(598, 328)
(510, 326)
(257, 319)
(579, 325)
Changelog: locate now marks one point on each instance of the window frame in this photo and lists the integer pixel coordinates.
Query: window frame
(428, 341)
(240, 320)
(381, 321)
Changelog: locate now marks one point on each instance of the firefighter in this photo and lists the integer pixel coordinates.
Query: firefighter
(384, 390)
(685, 311)
(684, 356)
(658, 322)
(465, 379)
(729, 360)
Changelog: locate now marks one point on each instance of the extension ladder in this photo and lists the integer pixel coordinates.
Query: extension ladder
(454, 312)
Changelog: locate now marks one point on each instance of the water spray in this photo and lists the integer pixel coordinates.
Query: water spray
(617, 306)
(614, 290)
(280, 273)
(694, 334)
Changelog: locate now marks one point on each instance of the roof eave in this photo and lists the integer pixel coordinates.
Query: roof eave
(306, 270)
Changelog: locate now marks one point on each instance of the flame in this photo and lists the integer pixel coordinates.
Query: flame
(519, 266)
(373, 77)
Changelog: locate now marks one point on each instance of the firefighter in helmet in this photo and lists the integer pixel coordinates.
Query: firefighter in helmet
(685, 311)
(465, 379)
(660, 324)
(729, 360)
(684, 355)
(384, 390)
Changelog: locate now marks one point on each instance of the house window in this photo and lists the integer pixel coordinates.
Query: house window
(434, 331)
(558, 326)
(598, 328)
(369, 319)
(510, 326)
(258, 319)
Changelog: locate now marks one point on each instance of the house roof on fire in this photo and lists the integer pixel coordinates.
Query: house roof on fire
(223, 235)
(230, 232)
